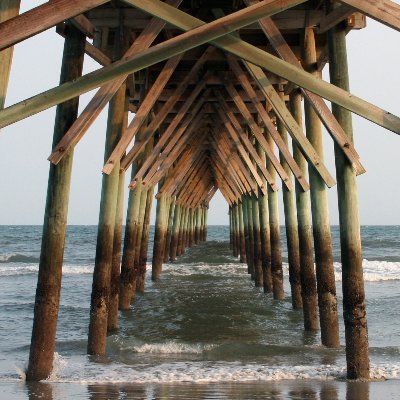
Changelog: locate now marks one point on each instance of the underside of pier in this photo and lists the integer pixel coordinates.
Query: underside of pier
(227, 95)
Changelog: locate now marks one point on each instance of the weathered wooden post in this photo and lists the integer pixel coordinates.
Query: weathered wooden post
(8, 10)
(258, 272)
(198, 225)
(305, 231)
(159, 235)
(191, 228)
(181, 248)
(230, 228)
(105, 234)
(186, 230)
(169, 229)
(137, 267)
(326, 287)
(246, 230)
(55, 222)
(242, 236)
(275, 234)
(116, 258)
(354, 312)
(289, 205)
(205, 222)
(145, 241)
(235, 231)
(175, 232)
(307, 274)
(250, 257)
(264, 230)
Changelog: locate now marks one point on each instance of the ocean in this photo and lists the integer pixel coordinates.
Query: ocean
(203, 331)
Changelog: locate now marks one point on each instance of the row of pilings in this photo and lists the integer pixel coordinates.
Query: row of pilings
(255, 229)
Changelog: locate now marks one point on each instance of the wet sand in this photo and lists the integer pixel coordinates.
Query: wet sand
(296, 389)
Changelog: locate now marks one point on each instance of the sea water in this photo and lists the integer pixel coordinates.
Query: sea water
(202, 331)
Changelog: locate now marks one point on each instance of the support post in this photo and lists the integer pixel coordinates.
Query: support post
(145, 241)
(264, 230)
(304, 223)
(235, 230)
(159, 235)
(250, 258)
(275, 234)
(354, 313)
(242, 236)
(105, 233)
(169, 230)
(55, 222)
(289, 205)
(258, 272)
(175, 232)
(116, 259)
(326, 287)
(205, 222)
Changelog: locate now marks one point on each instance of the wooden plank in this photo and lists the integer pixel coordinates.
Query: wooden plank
(291, 125)
(105, 93)
(84, 25)
(165, 110)
(246, 51)
(92, 51)
(262, 113)
(8, 10)
(40, 18)
(385, 11)
(333, 127)
(258, 133)
(158, 53)
(330, 20)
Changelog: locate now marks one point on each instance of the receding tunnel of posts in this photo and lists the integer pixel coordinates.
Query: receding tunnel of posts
(213, 106)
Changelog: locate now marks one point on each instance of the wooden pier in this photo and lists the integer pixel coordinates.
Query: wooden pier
(218, 89)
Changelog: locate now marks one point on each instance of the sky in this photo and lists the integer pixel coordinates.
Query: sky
(374, 60)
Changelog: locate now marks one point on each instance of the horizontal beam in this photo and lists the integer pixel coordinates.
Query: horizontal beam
(385, 11)
(40, 18)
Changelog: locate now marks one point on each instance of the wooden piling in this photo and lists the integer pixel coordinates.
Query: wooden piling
(137, 263)
(241, 234)
(275, 234)
(354, 312)
(246, 230)
(258, 272)
(112, 324)
(289, 205)
(198, 225)
(175, 232)
(326, 287)
(8, 10)
(230, 228)
(264, 230)
(181, 248)
(159, 235)
(55, 222)
(145, 241)
(105, 233)
(235, 230)
(250, 258)
(169, 230)
(191, 227)
(205, 230)
(307, 273)
(304, 223)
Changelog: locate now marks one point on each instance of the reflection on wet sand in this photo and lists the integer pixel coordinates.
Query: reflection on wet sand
(278, 390)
